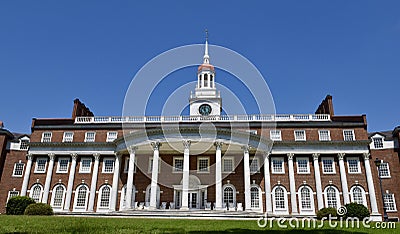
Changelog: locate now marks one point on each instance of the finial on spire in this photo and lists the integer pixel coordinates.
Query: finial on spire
(206, 58)
(206, 34)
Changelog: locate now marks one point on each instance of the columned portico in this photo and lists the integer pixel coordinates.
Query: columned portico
(267, 180)
(292, 184)
(318, 184)
(185, 175)
(131, 170)
(375, 216)
(154, 174)
(48, 178)
(343, 179)
(70, 182)
(27, 174)
(114, 189)
(246, 164)
(93, 183)
(218, 175)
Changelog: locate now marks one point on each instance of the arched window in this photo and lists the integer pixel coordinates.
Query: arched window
(280, 202)
(81, 197)
(306, 200)
(104, 197)
(332, 197)
(205, 80)
(148, 194)
(255, 197)
(357, 195)
(57, 198)
(123, 198)
(229, 195)
(36, 192)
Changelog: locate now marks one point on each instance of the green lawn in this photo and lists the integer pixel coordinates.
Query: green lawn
(58, 224)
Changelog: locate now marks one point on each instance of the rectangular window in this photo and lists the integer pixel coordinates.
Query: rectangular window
(299, 135)
(151, 165)
(227, 164)
(324, 135)
(178, 164)
(46, 137)
(90, 136)
(353, 164)
(384, 170)
(202, 164)
(328, 165)
(108, 165)
(348, 135)
(254, 165)
(275, 135)
(126, 168)
(62, 166)
(389, 202)
(68, 137)
(111, 136)
(303, 166)
(40, 165)
(277, 165)
(24, 144)
(85, 165)
(18, 169)
(12, 194)
(378, 143)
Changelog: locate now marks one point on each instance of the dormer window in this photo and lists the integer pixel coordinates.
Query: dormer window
(24, 144)
(378, 143)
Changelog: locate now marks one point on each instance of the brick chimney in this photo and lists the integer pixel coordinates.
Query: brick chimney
(80, 109)
(326, 106)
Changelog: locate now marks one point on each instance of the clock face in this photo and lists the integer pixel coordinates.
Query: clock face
(205, 109)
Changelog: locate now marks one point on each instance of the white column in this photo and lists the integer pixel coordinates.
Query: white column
(218, 175)
(27, 175)
(114, 189)
(202, 80)
(267, 181)
(154, 174)
(185, 174)
(70, 182)
(371, 189)
(292, 184)
(93, 183)
(343, 179)
(48, 178)
(129, 183)
(246, 162)
(318, 184)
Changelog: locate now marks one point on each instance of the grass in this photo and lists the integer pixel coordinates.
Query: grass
(58, 224)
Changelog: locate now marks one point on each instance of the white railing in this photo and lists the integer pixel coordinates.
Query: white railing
(216, 118)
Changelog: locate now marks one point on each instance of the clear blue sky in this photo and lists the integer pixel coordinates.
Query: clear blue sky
(52, 52)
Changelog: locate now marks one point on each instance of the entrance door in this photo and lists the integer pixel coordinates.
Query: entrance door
(193, 200)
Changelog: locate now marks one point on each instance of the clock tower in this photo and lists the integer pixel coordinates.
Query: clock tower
(205, 100)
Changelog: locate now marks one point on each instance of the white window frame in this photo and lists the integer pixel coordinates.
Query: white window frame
(296, 138)
(260, 204)
(12, 191)
(306, 211)
(76, 208)
(337, 195)
(320, 135)
(352, 134)
(272, 165)
(378, 138)
(149, 169)
(67, 138)
(333, 165)
(103, 208)
(276, 210)
(41, 192)
(103, 168)
(126, 166)
(54, 194)
(275, 135)
(24, 146)
(308, 165)
(388, 169)
(232, 159)
(90, 165)
(58, 165)
(48, 138)
(174, 169)
(208, 165)
(36, 165)
(15, 166)
(233, 194)
(358, 165)
(254, 159)
(363, 194)
(87, 139)
(394, 201)
(111, 139)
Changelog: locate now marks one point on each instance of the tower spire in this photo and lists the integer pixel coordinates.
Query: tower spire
(206, 58)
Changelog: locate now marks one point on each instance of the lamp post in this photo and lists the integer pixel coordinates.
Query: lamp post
(378, 164)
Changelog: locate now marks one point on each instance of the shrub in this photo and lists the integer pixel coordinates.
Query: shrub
(39, 209)
(355, 210)
(17, 205)
(325, 212)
